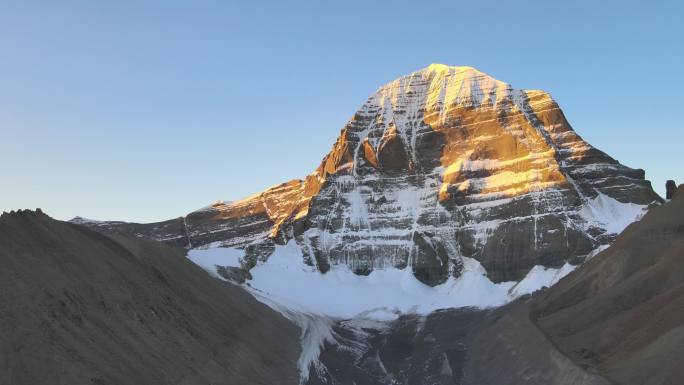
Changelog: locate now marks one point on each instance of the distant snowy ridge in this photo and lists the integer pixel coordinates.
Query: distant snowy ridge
(84, 221)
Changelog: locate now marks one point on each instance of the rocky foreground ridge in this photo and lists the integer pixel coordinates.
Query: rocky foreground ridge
(81, 307)
(443, 164)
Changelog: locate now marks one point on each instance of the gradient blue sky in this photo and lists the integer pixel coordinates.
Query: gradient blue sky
(144, 111)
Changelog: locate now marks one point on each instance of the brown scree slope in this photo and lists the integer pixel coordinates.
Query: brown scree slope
(80, 307)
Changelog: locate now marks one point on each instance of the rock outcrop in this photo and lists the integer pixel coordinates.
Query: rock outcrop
(443, 164)
(670, 189)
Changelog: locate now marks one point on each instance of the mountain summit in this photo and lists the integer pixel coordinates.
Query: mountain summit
(439, 170)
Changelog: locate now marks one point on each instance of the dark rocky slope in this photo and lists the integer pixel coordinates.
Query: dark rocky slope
(618, 319)
(622, 313)
(80, 307)
(447, 347)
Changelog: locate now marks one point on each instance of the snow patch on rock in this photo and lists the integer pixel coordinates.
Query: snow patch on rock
(538, 278)
(611, 214)
(210, 259)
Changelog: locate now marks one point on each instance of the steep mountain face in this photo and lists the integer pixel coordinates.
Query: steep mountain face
(617, 319)
(80, 307)
(443, 164)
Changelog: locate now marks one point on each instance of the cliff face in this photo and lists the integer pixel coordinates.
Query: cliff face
(443, 164)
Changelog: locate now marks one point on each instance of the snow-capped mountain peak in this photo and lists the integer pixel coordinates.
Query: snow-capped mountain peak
(437, 168)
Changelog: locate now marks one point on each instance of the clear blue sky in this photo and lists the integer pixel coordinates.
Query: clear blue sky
(146, 110)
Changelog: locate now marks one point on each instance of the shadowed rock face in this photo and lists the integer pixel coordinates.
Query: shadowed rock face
(441, 164)
(670, 188)
(81, 307)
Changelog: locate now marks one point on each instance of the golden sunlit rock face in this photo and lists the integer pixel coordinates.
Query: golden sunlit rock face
(441, 165)
(277, 204)
(492, 148)
(288, 201)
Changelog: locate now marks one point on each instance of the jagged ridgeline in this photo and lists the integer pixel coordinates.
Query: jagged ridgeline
(443, 164)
